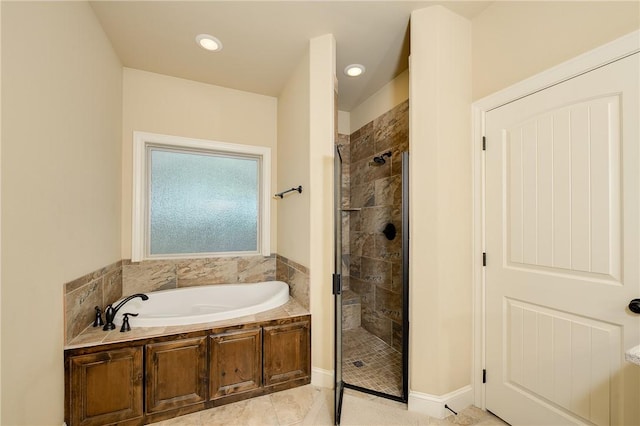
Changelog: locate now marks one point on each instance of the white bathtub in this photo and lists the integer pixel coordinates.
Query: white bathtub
(201, 304)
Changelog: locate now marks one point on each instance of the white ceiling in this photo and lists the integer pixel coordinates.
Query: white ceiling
(264, 40)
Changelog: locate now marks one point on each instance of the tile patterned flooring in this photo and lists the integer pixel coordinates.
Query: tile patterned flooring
(310, 405)
(369, 362)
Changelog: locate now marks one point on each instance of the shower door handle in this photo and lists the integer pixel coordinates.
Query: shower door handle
(634, 306)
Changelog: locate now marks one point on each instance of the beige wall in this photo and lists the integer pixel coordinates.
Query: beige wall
(68, 112)
(391, 94)
(510, 41)
(166, 105)
(305, 156)
(61, 139)
(322, 63)
(293, 161)
(440, 208)
(344, 122)
(0, 215)
(514, 40)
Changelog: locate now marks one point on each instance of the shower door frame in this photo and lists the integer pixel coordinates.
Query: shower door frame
(340, 385)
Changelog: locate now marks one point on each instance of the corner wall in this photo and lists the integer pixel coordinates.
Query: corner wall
(514, 40)
(306, 132)
(61, 132)
(322, 131)
(293, 160)
(0, 215)
(440, 210)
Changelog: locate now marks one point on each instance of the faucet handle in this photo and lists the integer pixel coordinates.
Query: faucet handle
(109, 314)
(125, 322)
(98, 321)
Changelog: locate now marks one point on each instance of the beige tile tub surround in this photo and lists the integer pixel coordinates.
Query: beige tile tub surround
(297, 276)
(82, 295)
(153, 275)
(108, 284)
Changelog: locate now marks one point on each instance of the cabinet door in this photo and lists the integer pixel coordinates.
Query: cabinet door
(105, 387)
(236, 362)
(286, 352)
(176, 374)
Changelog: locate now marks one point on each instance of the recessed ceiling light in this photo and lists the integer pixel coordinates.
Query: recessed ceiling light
(209, 42)
(354, 70)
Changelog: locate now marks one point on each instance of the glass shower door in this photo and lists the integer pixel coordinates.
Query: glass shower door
(365, 362)
(337, 285)
(362, 361)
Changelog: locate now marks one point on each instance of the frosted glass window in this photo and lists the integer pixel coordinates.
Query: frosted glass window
(202, 202)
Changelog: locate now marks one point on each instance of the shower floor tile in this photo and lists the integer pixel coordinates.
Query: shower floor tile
(369, 362)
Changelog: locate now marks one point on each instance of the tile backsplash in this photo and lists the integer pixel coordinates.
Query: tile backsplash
(297, 276)
(112, 282)
(152, 275)
(82, 295)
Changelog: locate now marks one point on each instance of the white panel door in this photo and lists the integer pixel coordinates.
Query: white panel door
(562, 243)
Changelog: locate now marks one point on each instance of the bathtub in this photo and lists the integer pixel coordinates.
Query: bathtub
(193, 305)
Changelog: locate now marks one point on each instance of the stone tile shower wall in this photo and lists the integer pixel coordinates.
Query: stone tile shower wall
(375, 263)
(343, 143)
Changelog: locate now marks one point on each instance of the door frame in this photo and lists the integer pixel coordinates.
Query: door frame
(596, 58)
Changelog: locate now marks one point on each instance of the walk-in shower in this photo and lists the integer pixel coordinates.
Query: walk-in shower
(371, 278)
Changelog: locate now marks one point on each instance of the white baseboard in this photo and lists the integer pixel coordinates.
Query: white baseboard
(433, 405)
(322, 378)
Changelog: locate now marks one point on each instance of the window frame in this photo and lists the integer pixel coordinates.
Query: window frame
(140, 214)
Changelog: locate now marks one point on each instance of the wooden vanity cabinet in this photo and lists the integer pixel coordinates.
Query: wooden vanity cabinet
(176, 374)
(104, 387)
(235, 362)
(161, 377)
(287, 352)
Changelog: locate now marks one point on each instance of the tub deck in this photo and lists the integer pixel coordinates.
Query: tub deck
(96, 336)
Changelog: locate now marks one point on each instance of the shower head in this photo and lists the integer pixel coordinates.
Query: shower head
(379, 160)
